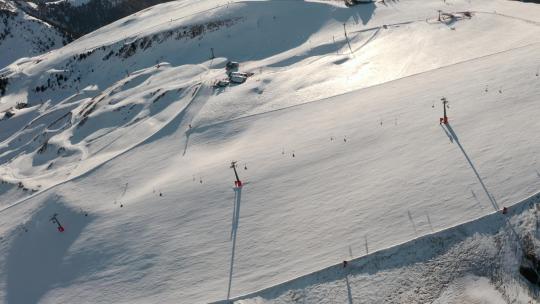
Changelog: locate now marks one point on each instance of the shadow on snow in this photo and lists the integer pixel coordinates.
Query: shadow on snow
(37, 260)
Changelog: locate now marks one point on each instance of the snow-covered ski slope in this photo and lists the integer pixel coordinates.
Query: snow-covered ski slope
(24, 36)
(474, 262)
(106, 134)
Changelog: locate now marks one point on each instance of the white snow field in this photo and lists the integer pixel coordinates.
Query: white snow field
(24, 36)
(123, 135)
(471, 263)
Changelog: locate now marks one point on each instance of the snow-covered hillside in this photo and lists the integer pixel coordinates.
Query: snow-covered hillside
(24, 36)
(472, 263)
(124, 134)
(84, 16)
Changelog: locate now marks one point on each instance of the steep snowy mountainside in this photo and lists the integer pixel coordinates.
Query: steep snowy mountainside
(126, 135)
(84, 16)
(24, 36)
(92, 76)
(160, 227)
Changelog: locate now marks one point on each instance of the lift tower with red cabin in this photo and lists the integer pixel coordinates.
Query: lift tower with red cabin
(55, 220)
(237, 182)
(444, 119)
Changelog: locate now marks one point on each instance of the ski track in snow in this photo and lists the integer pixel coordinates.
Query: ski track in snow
(198, 107)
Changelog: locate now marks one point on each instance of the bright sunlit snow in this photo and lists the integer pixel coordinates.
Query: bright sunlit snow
(126, 135)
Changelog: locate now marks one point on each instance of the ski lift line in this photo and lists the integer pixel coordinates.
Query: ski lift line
(371, 38)
(521, 204)
(328, 99)
(347, 38)
(135, 35)
(264, 113)
(387, 25)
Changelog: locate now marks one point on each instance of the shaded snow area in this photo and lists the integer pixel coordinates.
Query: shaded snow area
(127, 135)
(474, 262)
(24, 36)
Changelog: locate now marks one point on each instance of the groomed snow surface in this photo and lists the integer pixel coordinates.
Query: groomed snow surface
(338, 142)
(471, 263)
